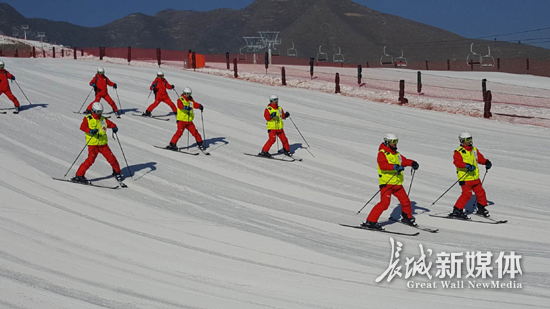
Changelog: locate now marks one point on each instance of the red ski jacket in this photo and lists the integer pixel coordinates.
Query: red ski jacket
(101, 82)
(86, 128)
(5, 76)
(383, 161)
(267, 115)
(160, 85)
(459, 161)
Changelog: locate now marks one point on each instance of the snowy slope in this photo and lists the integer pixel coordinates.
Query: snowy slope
(233, 231)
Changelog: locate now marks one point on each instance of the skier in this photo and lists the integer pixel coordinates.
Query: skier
(100, 82)
(5, 86)
(185, 116)
(159, 86)
(274, 115)
(466, 159)
(95, 126)
(390, 178)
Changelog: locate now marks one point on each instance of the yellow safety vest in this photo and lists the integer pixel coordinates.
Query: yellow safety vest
(385, 176)
(277, 122)
(186, 115)
(469, 157)
(100, 138)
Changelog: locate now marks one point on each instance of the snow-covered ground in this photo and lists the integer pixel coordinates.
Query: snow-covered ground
(234, 231)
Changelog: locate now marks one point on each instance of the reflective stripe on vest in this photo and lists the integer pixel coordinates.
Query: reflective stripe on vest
(277, 122)
(469, 157)
(385, 176)
(100, 138)
(186, 115)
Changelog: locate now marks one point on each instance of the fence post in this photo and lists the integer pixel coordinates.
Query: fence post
(283, 76)
(487, 108)
(34, 52)
(498, 63)
(402, 98)
(129, 54)
(227, 59)
(235, 68)
(100, 53)
(337, 81)
(53, 48)
(82, 52)
(62, 53)
(367, 64)
(484, 88)
(427, 68)
(74, 53)
(1, 55)
(158, 56)
(16, 53)
(194, 61)
(311, 62)
(359, 74)
(419, 82)
(43, 53)
(448, 65)
(527, 64)
(266, 61)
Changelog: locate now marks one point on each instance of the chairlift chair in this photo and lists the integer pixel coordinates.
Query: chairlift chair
(321, 56)
(488, 60)
(292, 52)
(401, 61)
(386, 59)
(473, 58)
(339, 58)
(274, 51)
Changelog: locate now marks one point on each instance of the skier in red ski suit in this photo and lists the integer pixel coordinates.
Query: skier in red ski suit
(274, 115)
(185, 116)
(5, 76)
(159, 86)
(100, 82)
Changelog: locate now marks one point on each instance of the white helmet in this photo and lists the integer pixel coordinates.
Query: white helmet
(160, 73)
(390, 138)
(100, 71)
(273, 98)
(187, 91)
(464, 136)
(97, 108)
(2, 64)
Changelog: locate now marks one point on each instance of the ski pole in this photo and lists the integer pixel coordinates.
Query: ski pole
(475, 200)
(298, 130)
(148, 96)
(449, 189)
(23, 92)
(85, 100)
(88, 141)
(202, 122)
(413, 171)
(118, 140)
(376, 193)
(116, 90)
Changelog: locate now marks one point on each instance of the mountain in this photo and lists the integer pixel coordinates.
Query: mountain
(359, 32)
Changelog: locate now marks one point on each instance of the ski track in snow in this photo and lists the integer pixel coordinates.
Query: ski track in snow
(234, 231)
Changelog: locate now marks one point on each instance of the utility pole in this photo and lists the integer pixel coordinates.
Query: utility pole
(25, 28)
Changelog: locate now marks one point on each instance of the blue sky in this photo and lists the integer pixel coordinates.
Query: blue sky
(469, 18)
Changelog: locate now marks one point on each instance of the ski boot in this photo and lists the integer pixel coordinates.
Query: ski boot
(147, 114)
(405, 219)
(172, 146)
(372, 225)
(264, 154)
(200, 145)
(17, 109)
(482, 211)
(287, 153)
(80, 179)
(458, 213)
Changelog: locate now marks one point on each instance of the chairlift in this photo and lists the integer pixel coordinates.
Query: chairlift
(386, 59)
(292, 52)
(401, 61)
(339, 58)
(488, 60)
(473, 58)
(321, 56)
(274, 51)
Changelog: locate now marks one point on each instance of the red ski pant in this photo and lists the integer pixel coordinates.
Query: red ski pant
(273, 137)
(467, 188)
(93, 151)
(385, 198)
(182, 125)
(107, 98)
(162, 98)
(10, 96)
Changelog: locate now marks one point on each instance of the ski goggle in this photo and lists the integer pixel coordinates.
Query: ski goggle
(187, 94)
(467, 139)
(97, 112)
(100, 73)
(274, 100)
(393, 141)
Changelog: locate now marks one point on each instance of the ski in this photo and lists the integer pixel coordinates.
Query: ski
(381, 231)
(271, 158)
(3, 112)
(180, 151)
(204, 151)
(122, 184)
(16, 111)
(426, 229)
(291, 156)
(491, 221)
(86, 184)
(152, 117)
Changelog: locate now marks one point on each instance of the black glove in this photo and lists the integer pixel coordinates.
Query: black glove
(115, 86)
(115, 129)
(488, 164)
(12, 77)
(415, 165)
(398, 167)
(94, 131)
(93, 85)
(470, 167)
(173, 87)
(201, 108)
(287, 114)
(273, 115)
